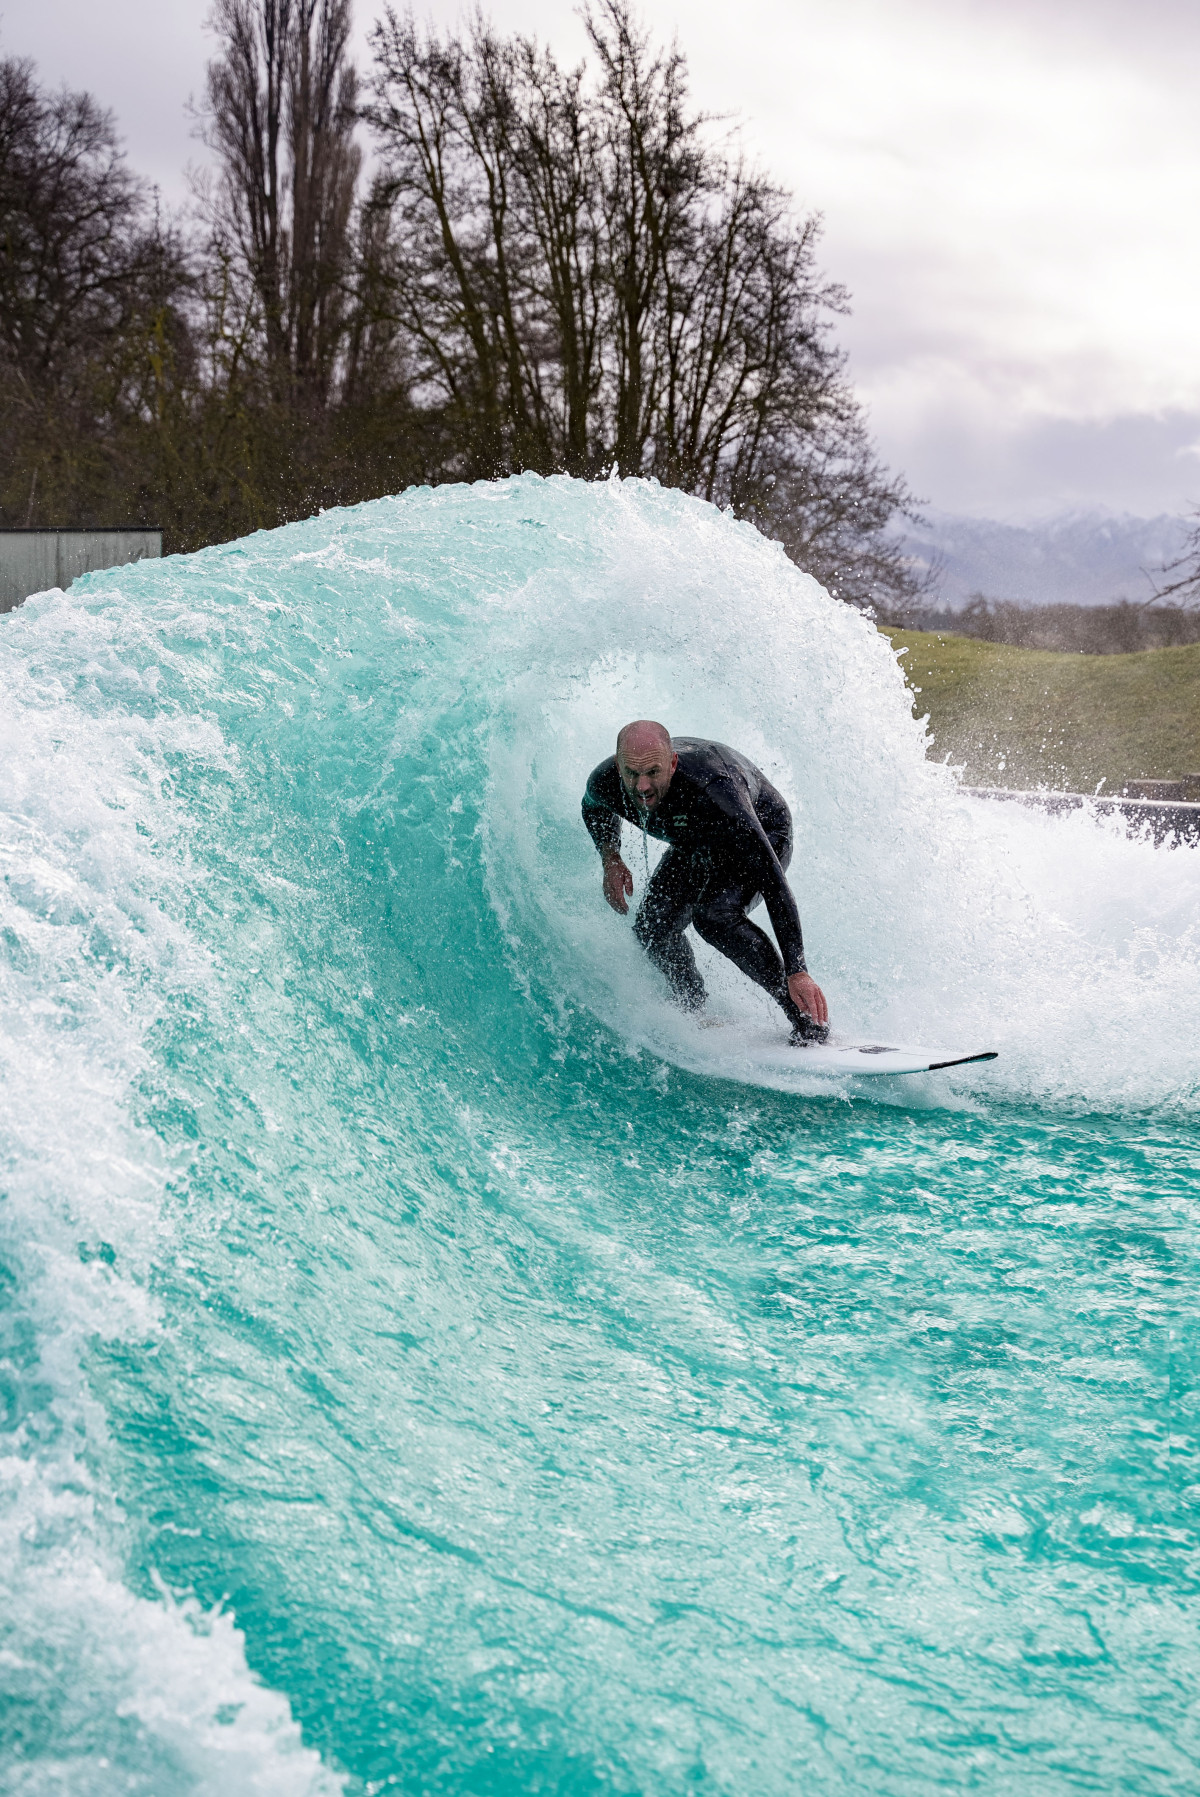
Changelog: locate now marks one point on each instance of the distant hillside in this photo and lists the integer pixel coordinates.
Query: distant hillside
(1022, 717)
(1077, 558)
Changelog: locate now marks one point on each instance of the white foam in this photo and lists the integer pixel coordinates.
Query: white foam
(929, 917)
(119, 1691)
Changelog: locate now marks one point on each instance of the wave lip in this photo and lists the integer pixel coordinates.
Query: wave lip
(333, 1132)
(103, 1690)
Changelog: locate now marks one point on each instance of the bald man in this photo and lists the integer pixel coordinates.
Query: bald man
(731, 839)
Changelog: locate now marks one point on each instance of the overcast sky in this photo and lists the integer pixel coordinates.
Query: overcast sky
(1010, 191)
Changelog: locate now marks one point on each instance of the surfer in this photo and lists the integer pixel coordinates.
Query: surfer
(730, 836)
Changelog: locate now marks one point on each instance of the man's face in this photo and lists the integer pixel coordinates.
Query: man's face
(646, 776)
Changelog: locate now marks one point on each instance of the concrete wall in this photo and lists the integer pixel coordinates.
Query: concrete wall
(33, 560)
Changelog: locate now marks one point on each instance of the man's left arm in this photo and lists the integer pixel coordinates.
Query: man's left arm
(779, 898)
(784, 913)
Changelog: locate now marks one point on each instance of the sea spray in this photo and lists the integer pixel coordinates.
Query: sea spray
(103, 1689)
(422, 1357)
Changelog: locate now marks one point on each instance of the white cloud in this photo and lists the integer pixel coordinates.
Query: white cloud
(1014, 199)
(1009, 187)
(1009, 190)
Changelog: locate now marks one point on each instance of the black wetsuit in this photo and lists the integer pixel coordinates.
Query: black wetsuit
(730, 833)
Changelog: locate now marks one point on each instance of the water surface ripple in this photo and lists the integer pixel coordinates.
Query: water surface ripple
(424, 1368)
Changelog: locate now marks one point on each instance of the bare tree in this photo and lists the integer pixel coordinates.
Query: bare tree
(554, 135)
(89, 274)
(1184, 586)
(325, 165)
(282, 109)
(585, 278)
(830, 504)
(655, 179)
(73, 220)
(444, 112)
(555, 269)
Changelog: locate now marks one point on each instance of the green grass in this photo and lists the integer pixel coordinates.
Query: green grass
(1029, 717)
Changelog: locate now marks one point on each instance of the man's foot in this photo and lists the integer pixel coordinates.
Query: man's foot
(805, 1030)
(804, 1027)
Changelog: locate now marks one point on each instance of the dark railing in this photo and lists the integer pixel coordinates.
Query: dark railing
(1165, 819)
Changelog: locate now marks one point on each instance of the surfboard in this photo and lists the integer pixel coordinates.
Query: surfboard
(859, 1058)
(747, 1051)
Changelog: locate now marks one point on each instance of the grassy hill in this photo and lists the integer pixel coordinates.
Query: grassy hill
(1029, 717)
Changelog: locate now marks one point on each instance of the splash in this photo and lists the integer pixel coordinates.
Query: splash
(305, 967)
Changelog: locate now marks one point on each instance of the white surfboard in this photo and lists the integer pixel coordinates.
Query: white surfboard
(861, 1058)
(762, 1056)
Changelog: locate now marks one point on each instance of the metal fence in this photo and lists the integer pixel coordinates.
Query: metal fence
(32, 561)
(1164, 820)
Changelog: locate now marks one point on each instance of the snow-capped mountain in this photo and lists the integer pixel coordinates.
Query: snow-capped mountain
(1076, 558)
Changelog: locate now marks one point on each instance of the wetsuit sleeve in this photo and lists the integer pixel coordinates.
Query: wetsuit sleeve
(754, 852)
(600, 817)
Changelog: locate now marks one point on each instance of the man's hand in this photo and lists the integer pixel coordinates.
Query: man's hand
(618, 882)
(804, 992)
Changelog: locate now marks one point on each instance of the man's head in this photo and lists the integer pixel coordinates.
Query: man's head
(645, 762)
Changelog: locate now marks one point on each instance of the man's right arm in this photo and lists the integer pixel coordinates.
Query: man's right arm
(602, 824)
(604, 827)
(601, 806)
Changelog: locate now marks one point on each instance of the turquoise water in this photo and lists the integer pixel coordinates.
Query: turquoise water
(423, 1368)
